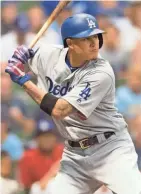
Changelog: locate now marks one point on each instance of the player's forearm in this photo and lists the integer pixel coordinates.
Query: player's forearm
(34, 92)
(56, 107)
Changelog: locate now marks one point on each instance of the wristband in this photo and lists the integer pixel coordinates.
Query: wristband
(24, 79)
(48, 102)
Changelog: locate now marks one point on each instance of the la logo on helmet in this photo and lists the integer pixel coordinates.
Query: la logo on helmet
(91, 23)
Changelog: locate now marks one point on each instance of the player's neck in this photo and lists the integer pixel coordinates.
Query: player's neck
(75, 59)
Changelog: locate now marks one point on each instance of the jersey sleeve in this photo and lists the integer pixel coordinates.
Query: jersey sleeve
(35, 62)
(89, 92)
(44, 59)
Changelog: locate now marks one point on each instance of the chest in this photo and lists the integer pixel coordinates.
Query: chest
(59, 88)
(61, 80)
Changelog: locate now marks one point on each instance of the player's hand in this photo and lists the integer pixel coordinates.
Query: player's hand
(17, 73)
(21, 54)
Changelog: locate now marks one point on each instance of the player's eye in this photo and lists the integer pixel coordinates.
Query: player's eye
(84, 39)
(95, 36)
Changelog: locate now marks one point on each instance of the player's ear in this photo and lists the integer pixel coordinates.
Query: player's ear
(69, 43)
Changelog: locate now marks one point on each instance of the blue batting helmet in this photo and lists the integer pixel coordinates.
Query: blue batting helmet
(81, 26)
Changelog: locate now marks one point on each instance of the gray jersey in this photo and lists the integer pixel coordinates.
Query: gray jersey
(90, 89)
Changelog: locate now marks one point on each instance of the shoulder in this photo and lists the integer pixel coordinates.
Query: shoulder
(8, 36)
(9, 40)
(50, 50)
(28, 158)
(58, 151)
(51, 37)
(59, 147)
(29, 36)
(29, 154)
(102, 65)
(14, 138)
(101, 68)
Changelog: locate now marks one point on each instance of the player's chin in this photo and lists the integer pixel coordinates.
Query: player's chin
(93, 56)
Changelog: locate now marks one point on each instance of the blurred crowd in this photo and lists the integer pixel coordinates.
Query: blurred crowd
(31, 146)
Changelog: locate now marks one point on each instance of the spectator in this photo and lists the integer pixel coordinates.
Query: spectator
(103, 21)
(18, 36)
(67, 12)
(41, 115)
(9, 186)
(8, 16)
(113, 52)
(49, 6)
(136, 56)
(110, 8)
(20, 120)
(128, 97)
(84, 7)
(9, 141)
(36, 163)
(130, 23)
(135, 13)
(46, 183)
(37, 18)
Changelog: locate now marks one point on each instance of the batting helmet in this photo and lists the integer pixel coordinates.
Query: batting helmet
(80, 26)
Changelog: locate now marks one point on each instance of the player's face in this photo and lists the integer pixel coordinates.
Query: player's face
(46, 141)
(87, 48)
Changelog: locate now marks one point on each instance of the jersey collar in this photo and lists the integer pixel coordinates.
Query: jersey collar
(72, 69)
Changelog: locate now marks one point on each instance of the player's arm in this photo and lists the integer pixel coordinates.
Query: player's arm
(56, 107)
(62, 109)
(85, 97)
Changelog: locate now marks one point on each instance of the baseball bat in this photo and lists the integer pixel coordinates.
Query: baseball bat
(52, 17)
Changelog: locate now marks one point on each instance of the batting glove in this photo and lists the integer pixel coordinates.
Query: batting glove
(21, 54)
(17, 74)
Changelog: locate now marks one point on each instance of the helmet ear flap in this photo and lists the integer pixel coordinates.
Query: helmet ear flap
(100, 37)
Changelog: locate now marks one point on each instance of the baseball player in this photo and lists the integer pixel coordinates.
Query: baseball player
(76, 86)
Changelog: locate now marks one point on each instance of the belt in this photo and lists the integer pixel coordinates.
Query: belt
(89, 141)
